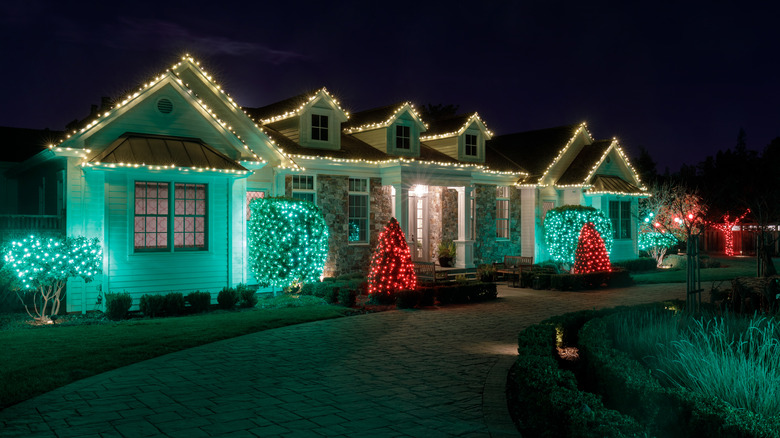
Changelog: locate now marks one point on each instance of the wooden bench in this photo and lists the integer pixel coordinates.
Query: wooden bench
(513, 266)
(427, 271)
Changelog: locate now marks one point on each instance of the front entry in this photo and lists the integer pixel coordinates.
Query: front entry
(418, 227)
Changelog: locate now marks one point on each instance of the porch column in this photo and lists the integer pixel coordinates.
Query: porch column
(401, 207)
(464, 257)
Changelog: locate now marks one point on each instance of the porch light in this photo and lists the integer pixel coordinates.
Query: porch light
(420, 190)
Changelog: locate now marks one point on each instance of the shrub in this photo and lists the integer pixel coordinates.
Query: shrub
(246, 296)
(117, 305)
(407, 299)
(541, 281)
(483, 292)
(382, 299)
(199, 301)
(427, 296)
(637, 265)
(152, 305)
(486, 273)
(227, 298)
(347, 297)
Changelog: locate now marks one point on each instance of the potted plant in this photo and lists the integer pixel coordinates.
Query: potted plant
(446, 253)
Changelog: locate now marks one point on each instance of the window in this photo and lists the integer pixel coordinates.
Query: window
(620, 215)
(358, 210)
(303, 187)
(251, 195)
(470, 141)
(403, 137)
(154, 215)
(502, 212)
(319, 127)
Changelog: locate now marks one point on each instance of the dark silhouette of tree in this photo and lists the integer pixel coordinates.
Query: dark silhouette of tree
(432, 113)
(646, 167)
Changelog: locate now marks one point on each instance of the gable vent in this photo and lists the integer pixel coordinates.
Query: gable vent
(165, 106)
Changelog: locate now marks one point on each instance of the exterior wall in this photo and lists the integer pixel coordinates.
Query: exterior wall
(488, 248)
(436, 218)
(530, 223)
(163, 272)
(450, 214)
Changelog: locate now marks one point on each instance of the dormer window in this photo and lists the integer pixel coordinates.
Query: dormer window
(470, 143)
(319, 127)
(403, 137)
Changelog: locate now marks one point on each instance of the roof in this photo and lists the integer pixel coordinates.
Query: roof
(20, 144)
(156, 150)
(282, 107)
(583, 163)
(372, 116)
(448, 125)
(530, 151)
(351, 148)
(613, 184)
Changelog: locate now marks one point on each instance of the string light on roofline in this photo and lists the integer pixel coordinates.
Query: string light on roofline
(615, 146)
(386, 123)
(297, 111)
(162, 167)
(565, 148)
(460, 131)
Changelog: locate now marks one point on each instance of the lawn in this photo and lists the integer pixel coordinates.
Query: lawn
(730, 267)
(37, 360)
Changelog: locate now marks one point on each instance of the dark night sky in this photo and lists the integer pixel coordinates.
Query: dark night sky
(678, 80)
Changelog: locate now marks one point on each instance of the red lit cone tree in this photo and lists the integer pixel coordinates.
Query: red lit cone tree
(392, 269)
(591, 254)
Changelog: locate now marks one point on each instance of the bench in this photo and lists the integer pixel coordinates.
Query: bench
(513, 266)
(427, 271)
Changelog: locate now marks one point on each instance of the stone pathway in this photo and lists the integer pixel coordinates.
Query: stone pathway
(420, 373)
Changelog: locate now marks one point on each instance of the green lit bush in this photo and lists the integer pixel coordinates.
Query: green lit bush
(199, 301)
(288, 241)
(173, 303)
(562, 226)
(348, 297)
(117, 305)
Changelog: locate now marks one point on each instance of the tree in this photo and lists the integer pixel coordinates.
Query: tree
(652, 240)
(288, 241)
(45, 265)
(727, 225)
(591, 255)
(432, 113)
(562, 226)
(391, 267)
(646, 166)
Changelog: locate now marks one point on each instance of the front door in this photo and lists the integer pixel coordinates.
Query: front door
(418, 228)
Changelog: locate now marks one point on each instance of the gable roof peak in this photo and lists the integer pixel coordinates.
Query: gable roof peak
(381, 117)
(291, 107)
(454, 126)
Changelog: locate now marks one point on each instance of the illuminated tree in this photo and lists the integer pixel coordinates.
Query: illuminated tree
(391, 267)
(653, 240)
(45, 265)
(591, 254)
(288, 241)
(727, 226)
(562, 228)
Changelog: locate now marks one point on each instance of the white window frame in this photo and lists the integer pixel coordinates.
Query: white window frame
(170, 218)
(397, 137)
(618, 220)
(475, 145)
(502, 212)
(301, 181)
(358, 192)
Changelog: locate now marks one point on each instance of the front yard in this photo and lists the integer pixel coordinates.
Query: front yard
(40, 359)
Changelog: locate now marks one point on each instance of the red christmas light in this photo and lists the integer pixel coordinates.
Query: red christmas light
(726, 227)
(591, 254)
(391, 268)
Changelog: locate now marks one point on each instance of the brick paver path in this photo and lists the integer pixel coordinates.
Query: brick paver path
(420, 373)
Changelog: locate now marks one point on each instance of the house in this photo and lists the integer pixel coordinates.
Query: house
(164, 177)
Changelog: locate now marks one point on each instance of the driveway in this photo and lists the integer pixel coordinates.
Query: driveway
(420, 373)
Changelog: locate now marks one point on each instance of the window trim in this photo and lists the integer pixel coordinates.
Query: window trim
(408, 138)
(171, 218)
(365, 195)
(502, 198)
(320, 128)
(475, 145)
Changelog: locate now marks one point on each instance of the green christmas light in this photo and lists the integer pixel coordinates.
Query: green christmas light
(562, 227)
(288, 241)
(45, 265)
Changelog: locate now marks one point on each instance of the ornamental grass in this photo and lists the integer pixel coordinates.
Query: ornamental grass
(733, 358)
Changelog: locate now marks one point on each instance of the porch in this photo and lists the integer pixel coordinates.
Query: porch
(12, 225)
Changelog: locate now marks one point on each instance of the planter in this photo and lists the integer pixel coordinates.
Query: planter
(445, 262)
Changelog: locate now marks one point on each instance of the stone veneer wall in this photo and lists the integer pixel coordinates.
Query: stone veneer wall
(434, 220)
(333, 200)
(487, 248)
(450, 214)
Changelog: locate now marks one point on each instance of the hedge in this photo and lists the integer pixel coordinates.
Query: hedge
(546, 399)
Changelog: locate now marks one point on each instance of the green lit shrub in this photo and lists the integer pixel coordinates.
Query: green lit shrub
(246, 296)
(227, 298)
(288, 241)
(117, 305)
(152, 305)
(562, 226)
(382, 299)
(199, 301)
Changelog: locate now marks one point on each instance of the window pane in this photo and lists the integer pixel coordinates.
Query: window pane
(150, 216)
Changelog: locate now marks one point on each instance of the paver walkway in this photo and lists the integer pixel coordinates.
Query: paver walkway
(415, 373)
